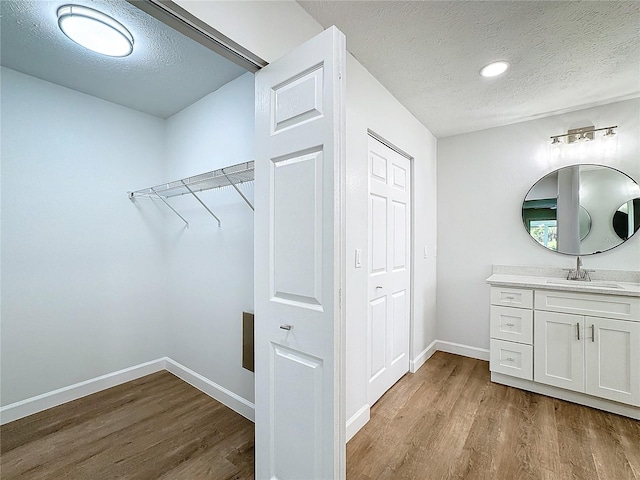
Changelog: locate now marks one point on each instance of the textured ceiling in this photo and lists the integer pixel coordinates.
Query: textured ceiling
(563, 55)
(165, 73)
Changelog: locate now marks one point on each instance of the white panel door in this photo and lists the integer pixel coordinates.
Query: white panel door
(300, 116)
(389, 268)
(559, 350)
(613, 359)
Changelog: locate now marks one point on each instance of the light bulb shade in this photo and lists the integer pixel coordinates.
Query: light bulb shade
(95, 31)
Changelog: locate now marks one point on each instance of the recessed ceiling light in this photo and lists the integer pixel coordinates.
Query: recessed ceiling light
(95, 30)
(494, 69)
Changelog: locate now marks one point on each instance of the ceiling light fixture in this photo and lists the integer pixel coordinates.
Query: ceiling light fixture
(494, 69)
(95, 30)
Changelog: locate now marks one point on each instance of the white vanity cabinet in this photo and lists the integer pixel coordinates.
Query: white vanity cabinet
(511, 325)
(552, 341)
(597, 355)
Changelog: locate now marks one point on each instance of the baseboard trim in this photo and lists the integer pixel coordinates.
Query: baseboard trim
(464, 350)
(29, 406)
(567, 395)
(218, 392)
(358, 420)
(36, 404)
(423, 356)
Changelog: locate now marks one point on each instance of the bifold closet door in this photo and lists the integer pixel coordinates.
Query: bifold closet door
(300, 116)
(389, 268)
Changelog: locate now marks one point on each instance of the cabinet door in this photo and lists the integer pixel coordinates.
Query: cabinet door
(559, 350)
(613, 359)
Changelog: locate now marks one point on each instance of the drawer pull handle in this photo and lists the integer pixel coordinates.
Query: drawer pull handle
(511, 359)
(578, 329)
(593, 333)
(510, 324)
(286, 327)
(510, 298)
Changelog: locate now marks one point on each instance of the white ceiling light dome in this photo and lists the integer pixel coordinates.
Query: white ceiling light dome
(494, 69)
(95, 30)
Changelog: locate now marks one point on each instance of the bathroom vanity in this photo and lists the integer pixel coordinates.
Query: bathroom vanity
(574, 340)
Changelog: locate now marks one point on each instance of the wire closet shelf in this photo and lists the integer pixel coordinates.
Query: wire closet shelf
(223, 177)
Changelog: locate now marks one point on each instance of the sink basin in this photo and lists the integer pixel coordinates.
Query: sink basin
(579, 283)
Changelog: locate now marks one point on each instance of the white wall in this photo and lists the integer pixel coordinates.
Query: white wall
(389, 119)
(82, 268)
(268, 29)
(482, 180)
(210, 269)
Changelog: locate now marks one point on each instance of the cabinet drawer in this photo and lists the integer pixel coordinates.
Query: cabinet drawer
(512, 297)
(590, 304)
(511, 358)
(512, 324)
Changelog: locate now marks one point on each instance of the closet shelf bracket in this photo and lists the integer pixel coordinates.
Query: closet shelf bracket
(238, 190)
(201, 202)
(224, 177)
(169, 205)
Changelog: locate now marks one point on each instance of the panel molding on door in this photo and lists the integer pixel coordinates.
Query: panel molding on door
(559, 350)
(613, 364)
(389, 268)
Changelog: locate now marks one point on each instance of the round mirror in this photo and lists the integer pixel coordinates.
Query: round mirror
(582, 209)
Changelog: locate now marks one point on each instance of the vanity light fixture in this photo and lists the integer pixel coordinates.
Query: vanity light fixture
(584, 134)
(494, 69)
(580, 137)
(95, 31)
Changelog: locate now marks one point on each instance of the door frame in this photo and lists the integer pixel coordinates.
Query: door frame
(376, 136)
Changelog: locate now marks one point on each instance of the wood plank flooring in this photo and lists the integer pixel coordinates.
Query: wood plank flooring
(156, 427)
(447, 421)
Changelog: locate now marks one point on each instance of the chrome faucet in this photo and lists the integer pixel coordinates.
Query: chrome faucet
(579, 273)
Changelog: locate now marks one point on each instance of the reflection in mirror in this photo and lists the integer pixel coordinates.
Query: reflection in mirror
(626, 220)
(582, 209)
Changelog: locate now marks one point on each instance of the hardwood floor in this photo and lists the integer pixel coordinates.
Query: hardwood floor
(448, 421)
(156, 427)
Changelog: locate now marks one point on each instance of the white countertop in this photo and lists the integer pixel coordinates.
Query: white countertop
(608, 287)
